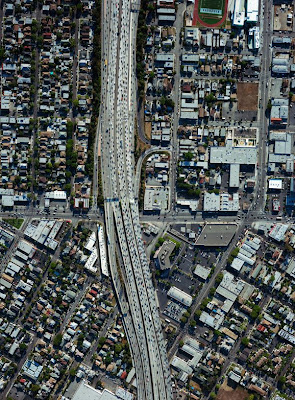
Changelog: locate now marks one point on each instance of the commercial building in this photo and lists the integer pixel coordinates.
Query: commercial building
(280, 151)
(156, 198)
(44, 232)
(102, 251)
(252, 9)
(291, 268)
(288, 334)
(235, 156)
(202, 272)
(232, 154)
(180, 296)
(238, 17)
(166, 19)
(279, 41)
(56, 195)
(223, 202)
(278, 232)
(181, 365)
(90, 263)
(162, 255)
(216, 235)
(279, 111)
(234, 176)
(164, 60)
(254, 38)
(87, 392)
(275, 184)
(290, 199)
(211, 202)
(213, 321)
(280, 66)
(237, 264)
(276, 206)
(32, 369)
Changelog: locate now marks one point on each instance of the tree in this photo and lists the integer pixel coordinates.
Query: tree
(255, 312)
(212, 291)
(72, 372)
(210, 99)
(181, 343)
(76, 103)
(35, 388)
(193, 323)
(218, 279)
(70, 128)
(23, 347)
(212, 395)
(108, 359)
(118, 348)
(188, 156)
(235, 252)
(57, 340)
(2, 54)
(245, 341)
(161, 241)
(102, 340)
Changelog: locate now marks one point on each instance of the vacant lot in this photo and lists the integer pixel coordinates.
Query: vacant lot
(16, 222)
(228, 393)
(280, 18)
(247, 96)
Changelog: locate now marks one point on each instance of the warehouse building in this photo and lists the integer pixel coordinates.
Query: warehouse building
(252, 11)
(216, 235)
(180, 296)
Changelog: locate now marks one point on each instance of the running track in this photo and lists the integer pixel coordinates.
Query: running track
(197, 18)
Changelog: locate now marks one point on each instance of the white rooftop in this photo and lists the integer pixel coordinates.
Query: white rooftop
(230, 154)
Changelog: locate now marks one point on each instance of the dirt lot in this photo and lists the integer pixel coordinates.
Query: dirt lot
(148, 130)
(280, 18)
(247, 96)
(228, 393)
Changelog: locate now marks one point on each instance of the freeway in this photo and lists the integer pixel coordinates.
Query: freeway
(265, 75)
(127, 259)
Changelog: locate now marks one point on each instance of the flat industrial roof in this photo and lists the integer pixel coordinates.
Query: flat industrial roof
(230, 154)
(275, 184)
(216, 235)
(180, 296)
(88, 392)
(202, 272)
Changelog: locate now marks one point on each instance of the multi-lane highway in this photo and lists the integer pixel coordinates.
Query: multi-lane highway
(127, 258)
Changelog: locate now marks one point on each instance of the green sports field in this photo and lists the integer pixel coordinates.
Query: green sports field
(211, 10)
